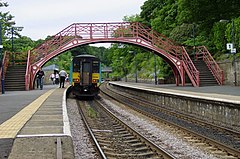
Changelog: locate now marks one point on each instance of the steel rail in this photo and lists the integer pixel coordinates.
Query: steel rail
(91, 133)
(161, 150)
(208, 140)
(181, 115)
(155, 148)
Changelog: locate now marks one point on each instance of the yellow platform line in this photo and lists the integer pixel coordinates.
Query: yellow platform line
(12, 126)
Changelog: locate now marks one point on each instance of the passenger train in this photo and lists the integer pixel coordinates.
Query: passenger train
(85, 76)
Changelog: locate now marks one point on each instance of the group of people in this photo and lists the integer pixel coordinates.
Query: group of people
(55, 78)
(62, 75)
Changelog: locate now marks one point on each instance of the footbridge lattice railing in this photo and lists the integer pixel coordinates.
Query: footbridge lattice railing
(112, 32)
(203, 53)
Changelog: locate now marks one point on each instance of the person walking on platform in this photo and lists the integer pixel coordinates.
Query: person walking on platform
(52, 77)
(63, 75)
(56, 78)
(40, 77)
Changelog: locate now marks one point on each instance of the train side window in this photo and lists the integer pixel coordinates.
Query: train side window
(76, 66)
(95, 68)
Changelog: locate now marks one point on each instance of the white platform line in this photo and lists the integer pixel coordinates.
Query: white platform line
(66, 125)
(41, 135)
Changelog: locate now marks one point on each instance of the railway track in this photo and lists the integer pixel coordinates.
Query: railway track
(114, 138)
(222, 142)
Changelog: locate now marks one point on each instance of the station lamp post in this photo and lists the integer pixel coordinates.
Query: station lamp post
(155, 69)
(1, 55)
(124, 68)
(134, 52)
(231, 47)
(13, 28)
(194, 40)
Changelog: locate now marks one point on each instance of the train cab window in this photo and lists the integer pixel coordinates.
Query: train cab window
(86, 66)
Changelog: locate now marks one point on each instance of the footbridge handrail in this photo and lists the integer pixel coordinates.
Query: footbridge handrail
(129, 32)
(88, 31)
(158, 40)
(191, 70)
(173, 49)
(27, 74)
(4, 64)
(203, 53)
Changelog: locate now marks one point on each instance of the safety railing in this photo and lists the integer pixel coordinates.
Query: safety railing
(104, 31)
(114, 32)
(157, 39)
(203, 53)
(190, 68)
(5, 62)
(17, 58)
(28, 71)
(173, 49)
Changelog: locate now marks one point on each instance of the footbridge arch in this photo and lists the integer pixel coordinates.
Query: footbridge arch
(123, 32)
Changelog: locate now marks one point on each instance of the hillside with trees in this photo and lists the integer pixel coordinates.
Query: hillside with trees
(187, 22)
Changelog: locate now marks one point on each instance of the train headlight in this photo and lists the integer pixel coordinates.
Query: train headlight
(76, 80)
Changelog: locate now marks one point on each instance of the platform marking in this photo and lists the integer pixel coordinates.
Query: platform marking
(42, 135)
(66, 124)
(11, 127)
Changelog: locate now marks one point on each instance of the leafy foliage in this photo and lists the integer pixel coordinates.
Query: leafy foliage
(194, 22)
(188, 22)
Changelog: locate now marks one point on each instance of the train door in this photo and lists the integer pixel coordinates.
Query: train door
(86, 73)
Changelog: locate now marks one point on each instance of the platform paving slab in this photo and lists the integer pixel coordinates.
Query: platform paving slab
(41, 130)
(5, 148)
(13, 101)
(41, 147)
(10, 104)
(11, 127)
(39, 135)
(38, 123)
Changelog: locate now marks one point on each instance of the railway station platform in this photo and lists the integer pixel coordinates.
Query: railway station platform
(229, 94)
(34, 124)
(216, 104)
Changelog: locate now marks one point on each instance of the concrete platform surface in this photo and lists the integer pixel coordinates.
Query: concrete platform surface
(13, 101)
(37, 125)
(218, 93)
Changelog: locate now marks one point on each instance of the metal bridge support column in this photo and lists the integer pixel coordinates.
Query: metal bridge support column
(183, 78)
(31, 78)
(34, 70)
(176, 75)
(179, 74)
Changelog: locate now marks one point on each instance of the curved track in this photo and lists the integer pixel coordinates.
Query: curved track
(114, 138)
(218, 140)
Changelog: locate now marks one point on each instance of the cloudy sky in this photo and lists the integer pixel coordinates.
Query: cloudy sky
(41, 18)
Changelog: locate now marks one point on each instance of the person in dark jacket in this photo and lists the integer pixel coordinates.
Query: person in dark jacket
(40, 77)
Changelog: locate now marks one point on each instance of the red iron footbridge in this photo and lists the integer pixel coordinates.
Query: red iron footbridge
(133, 33)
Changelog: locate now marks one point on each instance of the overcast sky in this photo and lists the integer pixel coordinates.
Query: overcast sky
(41, 18)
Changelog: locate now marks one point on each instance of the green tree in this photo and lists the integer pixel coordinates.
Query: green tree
(5, 19)
(149, 10)
(165, 18)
